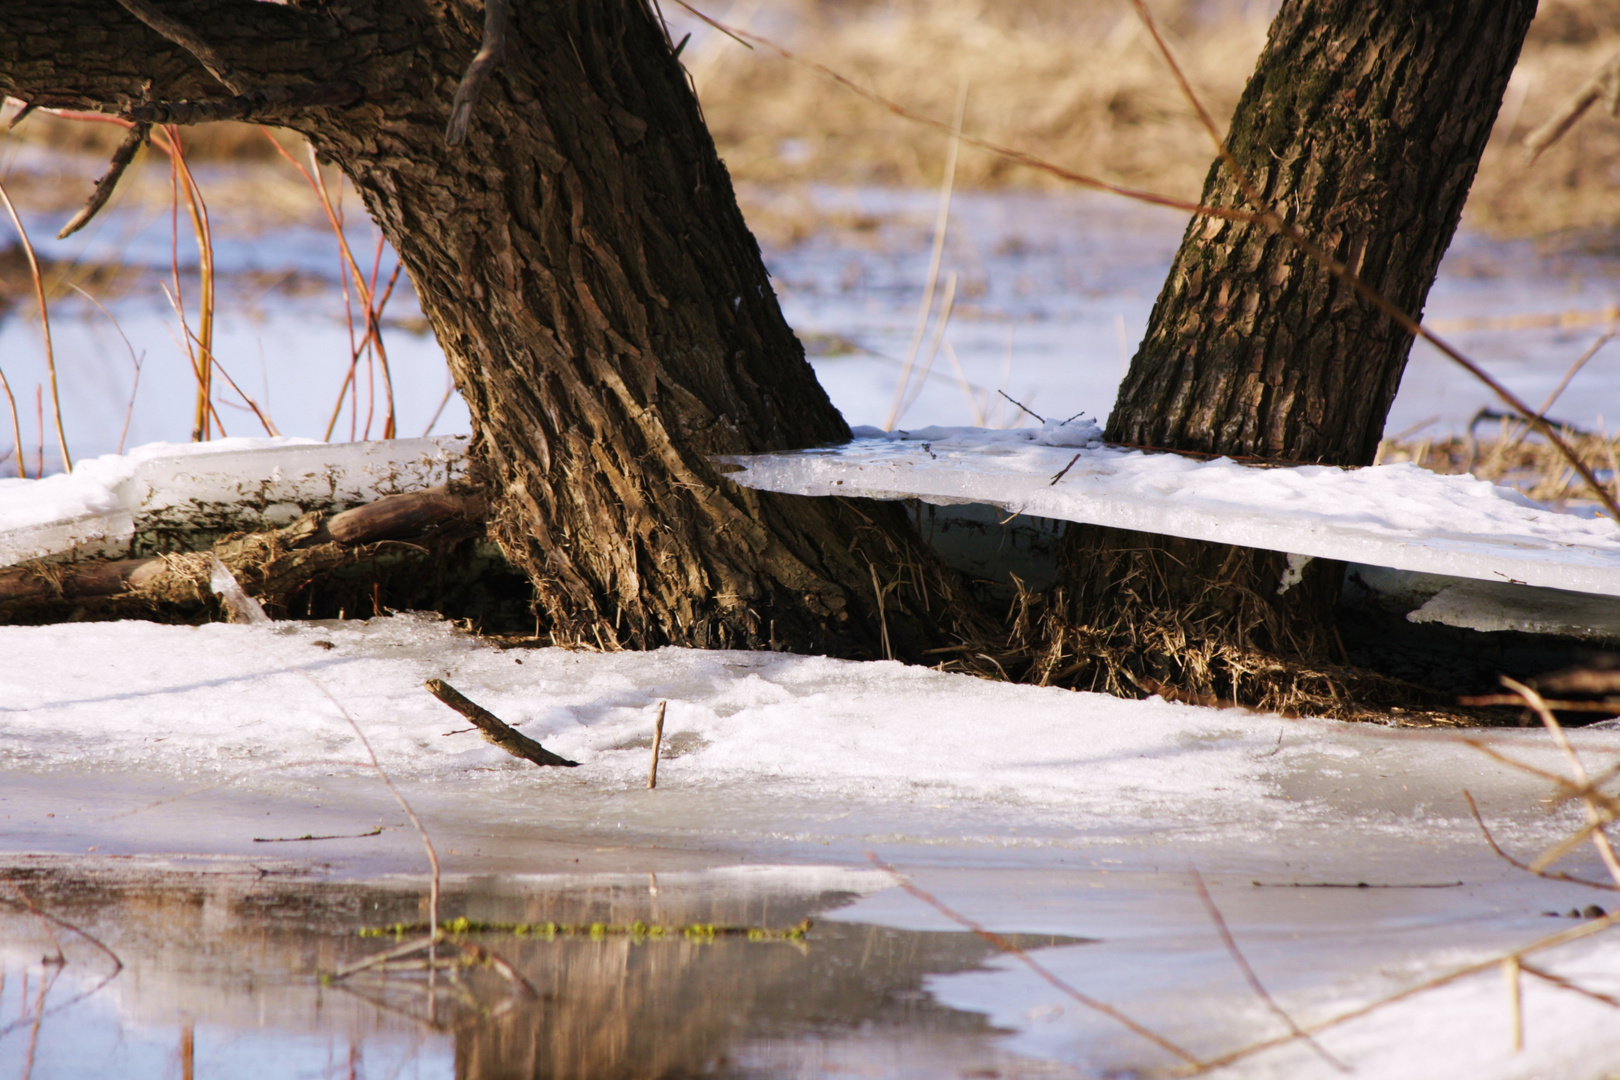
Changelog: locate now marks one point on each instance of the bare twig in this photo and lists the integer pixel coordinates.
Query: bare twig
(44, 323)
(942, 218)
(104, 187)
(1021, 407)
(491, 51)
(16, 426)
(1557, 875)
(494, 729)
(399, 797)
(1064, 471)
(1564, 984)
(1552, 941)
(296, 839)
(1604, 84)
(658, 744)
(1596, 816)
(129, 410)
(1036, 966)
(1248, 972)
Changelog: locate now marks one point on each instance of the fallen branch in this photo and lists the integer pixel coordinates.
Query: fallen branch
(294, 839)
(494, 729)
(270, 565)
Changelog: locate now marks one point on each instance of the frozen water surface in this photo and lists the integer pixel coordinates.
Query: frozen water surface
(1053, 294)
(1036, 811)
(1397, 516)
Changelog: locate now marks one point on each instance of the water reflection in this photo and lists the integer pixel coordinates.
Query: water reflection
(222, 975)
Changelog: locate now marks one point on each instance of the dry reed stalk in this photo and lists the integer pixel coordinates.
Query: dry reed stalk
(39, 426)
(1551, 941)
(45, 328)
(1595, 813)
(16, 427)
(203, 359)
(1510, 974)
(373, 335)
(940, 325)
(365, 292)
(975, 406)
(1250, 977)
(942, 218)
(1037, 967)
(129, 410)
(449, 389)
(416, 823)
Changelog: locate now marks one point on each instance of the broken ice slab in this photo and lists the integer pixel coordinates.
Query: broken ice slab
(143, 501)
(1397, 516)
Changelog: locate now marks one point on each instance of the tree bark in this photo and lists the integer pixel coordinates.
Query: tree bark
(1362, 125)
(602, 305)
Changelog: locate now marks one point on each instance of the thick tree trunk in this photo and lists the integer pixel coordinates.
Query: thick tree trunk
(603, 307)
(1362, 125)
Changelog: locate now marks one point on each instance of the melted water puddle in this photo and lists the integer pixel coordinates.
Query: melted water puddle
(228, 972)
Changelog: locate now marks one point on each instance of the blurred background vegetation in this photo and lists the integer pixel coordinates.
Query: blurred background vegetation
(1073, 81)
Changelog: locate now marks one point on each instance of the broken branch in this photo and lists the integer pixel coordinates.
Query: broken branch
(494, 729)
(104, 187)
(491, 51)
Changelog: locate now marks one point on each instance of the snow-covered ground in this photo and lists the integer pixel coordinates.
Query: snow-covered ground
(1033, 810)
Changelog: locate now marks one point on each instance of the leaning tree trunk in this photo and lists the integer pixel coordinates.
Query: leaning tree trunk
(1362, 126)
(604, 309)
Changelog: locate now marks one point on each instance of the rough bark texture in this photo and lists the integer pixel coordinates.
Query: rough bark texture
(603, 307)
(1362, 125)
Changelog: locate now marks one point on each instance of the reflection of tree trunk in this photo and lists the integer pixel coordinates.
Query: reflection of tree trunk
(1363, 125)
(602, 304)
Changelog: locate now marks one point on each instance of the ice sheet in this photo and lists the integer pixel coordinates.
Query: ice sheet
(1032, 809)
(1398, 516)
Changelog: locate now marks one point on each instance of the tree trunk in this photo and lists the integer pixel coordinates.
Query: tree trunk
(604, 309)
(1362, 125)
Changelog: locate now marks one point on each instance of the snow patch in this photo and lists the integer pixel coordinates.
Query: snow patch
(1397, 516)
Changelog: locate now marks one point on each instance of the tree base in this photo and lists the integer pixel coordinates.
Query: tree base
(1137, 615)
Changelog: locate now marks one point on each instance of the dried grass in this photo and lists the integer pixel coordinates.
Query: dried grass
(1082, 83)
(1531, 466)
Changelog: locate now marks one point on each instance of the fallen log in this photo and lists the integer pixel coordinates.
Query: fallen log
(271, 566)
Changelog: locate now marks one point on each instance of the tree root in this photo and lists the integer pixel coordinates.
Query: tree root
(1137, 616)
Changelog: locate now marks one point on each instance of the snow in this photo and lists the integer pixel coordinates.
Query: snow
(1032, 809)
(1397, 516)
(110, 503)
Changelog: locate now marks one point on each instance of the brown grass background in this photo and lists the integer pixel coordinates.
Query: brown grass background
(1075, 81)
(1079, 83)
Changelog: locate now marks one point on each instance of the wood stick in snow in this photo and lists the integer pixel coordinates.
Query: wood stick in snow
(658, 743)
(495, 730)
